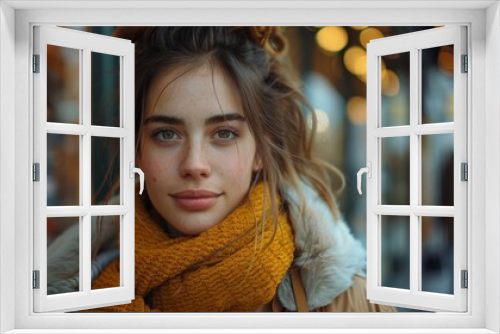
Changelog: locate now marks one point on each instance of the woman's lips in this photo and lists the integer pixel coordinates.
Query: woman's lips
(195, 200)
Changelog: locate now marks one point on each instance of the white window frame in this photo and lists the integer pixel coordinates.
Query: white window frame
(16, 127)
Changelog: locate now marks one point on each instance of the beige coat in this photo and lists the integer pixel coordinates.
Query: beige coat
(354, 300)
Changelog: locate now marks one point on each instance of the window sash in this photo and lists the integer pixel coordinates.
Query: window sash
(86, 43)
(414, 298)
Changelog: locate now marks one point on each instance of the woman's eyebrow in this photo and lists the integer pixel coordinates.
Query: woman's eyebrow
(163, 119)
(225, 118)
(179, 121)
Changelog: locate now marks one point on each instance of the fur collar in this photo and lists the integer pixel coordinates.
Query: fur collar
(326, 252)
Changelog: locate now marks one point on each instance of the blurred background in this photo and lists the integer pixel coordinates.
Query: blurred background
(330, 62)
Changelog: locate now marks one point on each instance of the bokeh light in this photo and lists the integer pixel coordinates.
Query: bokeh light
(390, 83)
(369, 34)
(323, 121)
(356, 110)
(332, 39)
(355, 60)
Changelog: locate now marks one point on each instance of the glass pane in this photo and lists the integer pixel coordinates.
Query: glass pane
(395, 89)
(105, 89)
(437, 84)
(63, 84)
(105, 170)
(63, 170)
(105, 249)
(437, 254)
(395, 176)
(437, 169)
(395, 259)
(63, 262)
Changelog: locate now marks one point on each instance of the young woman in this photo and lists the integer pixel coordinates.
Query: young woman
(237, 213)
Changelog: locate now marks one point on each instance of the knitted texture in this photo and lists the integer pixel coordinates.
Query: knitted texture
(233, 266)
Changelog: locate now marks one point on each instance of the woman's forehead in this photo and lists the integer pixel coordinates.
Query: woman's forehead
(173, 75)
(205, 89)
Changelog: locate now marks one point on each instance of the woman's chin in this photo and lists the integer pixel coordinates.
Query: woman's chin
(193, 227)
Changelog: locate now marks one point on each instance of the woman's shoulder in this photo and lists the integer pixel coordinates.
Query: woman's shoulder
(327, 256)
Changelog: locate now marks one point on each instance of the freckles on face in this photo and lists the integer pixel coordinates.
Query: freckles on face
(197, 151)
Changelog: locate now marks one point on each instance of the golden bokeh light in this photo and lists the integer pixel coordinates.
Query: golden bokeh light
(356, 110)
(360, 65)
(383, 72)
(332, 39)
(355, 60)
(390, 83)
(369, 34)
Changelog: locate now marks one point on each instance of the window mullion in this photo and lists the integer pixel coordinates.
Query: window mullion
(434, 129)
(414, 170)
(86, 165)
(86, 253)
(394, 210)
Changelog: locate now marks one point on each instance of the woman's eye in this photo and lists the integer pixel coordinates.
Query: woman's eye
(166, 135)
(226, 134)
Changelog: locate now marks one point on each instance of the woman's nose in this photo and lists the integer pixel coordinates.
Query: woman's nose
(195, 162)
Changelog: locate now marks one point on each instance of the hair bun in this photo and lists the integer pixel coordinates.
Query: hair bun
(270, 38)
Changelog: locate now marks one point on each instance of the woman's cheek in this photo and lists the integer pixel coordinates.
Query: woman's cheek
(234, 163)
(242, 169)
(156, 165)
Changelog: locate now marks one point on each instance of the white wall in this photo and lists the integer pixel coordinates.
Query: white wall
(492, 149)
(7, 164)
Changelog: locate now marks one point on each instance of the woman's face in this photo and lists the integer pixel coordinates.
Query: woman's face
(197, 151)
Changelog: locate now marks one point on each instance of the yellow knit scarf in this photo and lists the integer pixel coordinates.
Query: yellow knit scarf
(229, 267)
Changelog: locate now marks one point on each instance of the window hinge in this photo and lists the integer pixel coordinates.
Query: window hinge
(465, 279)
(464, 171)
(36, 172)
(36, 63)
(465, 64)
(36, 279)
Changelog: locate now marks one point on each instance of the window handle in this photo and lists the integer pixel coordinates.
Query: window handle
(367, 170)
(141, 175)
